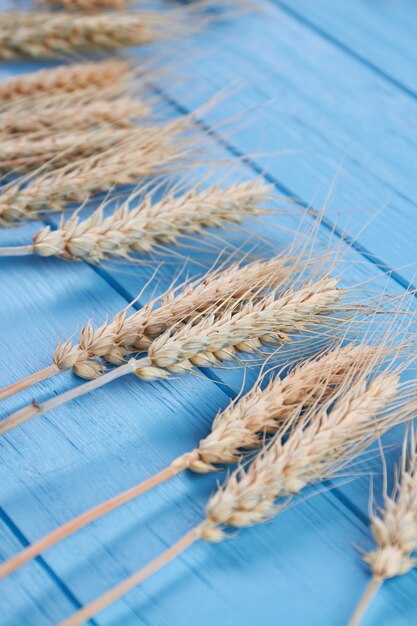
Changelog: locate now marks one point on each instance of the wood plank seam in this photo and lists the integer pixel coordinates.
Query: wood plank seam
(20, 536)
(325, 222)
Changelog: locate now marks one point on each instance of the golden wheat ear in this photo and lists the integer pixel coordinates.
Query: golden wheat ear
(271, 320)
(149, 225)
(394, 529)
(66, 80)
(31, 151)
(324, 442)
(238, 429)
(41, 34)
(34, 122)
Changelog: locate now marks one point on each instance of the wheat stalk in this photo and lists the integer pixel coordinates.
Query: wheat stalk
(143, 228)
(63, 114)
(142, 154)
(238, 428)
(394, 528)
(124, 334)
(214, 339)
(79, 77)
(42, 34)
(312, 451)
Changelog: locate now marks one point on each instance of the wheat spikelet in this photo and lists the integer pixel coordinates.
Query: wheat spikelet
(394, 528)
(313, 451)
(143, 228)
(215, 339)
(42, 34)
(143, 154)
(239, 427)
(66, 80)
(124, 334)
(76, 113)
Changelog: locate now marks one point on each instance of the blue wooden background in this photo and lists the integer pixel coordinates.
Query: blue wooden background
(331, 92)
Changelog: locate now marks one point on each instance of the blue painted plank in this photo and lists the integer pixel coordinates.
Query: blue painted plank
(33, 598)
(381, 34)
(331, 119)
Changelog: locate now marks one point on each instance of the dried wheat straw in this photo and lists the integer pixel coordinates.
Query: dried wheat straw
(42, 34)
(143, 228)
(212, 340)
(239, 427)
(66, 80)
(124, 334)
(65, 114)
(394, 528)
(144, 153)
(327, 440)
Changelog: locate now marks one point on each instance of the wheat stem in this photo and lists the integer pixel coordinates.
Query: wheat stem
(44, 374)
(66, 530)
(23, 415)
(105, 600)
(366, 599)
(16, 251)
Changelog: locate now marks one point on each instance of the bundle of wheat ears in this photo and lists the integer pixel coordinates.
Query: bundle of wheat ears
(240, 427)
(215, 337)
(71, 131)
(317, 443)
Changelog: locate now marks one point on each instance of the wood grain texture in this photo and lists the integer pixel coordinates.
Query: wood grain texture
(336, 116)
(381, 34)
